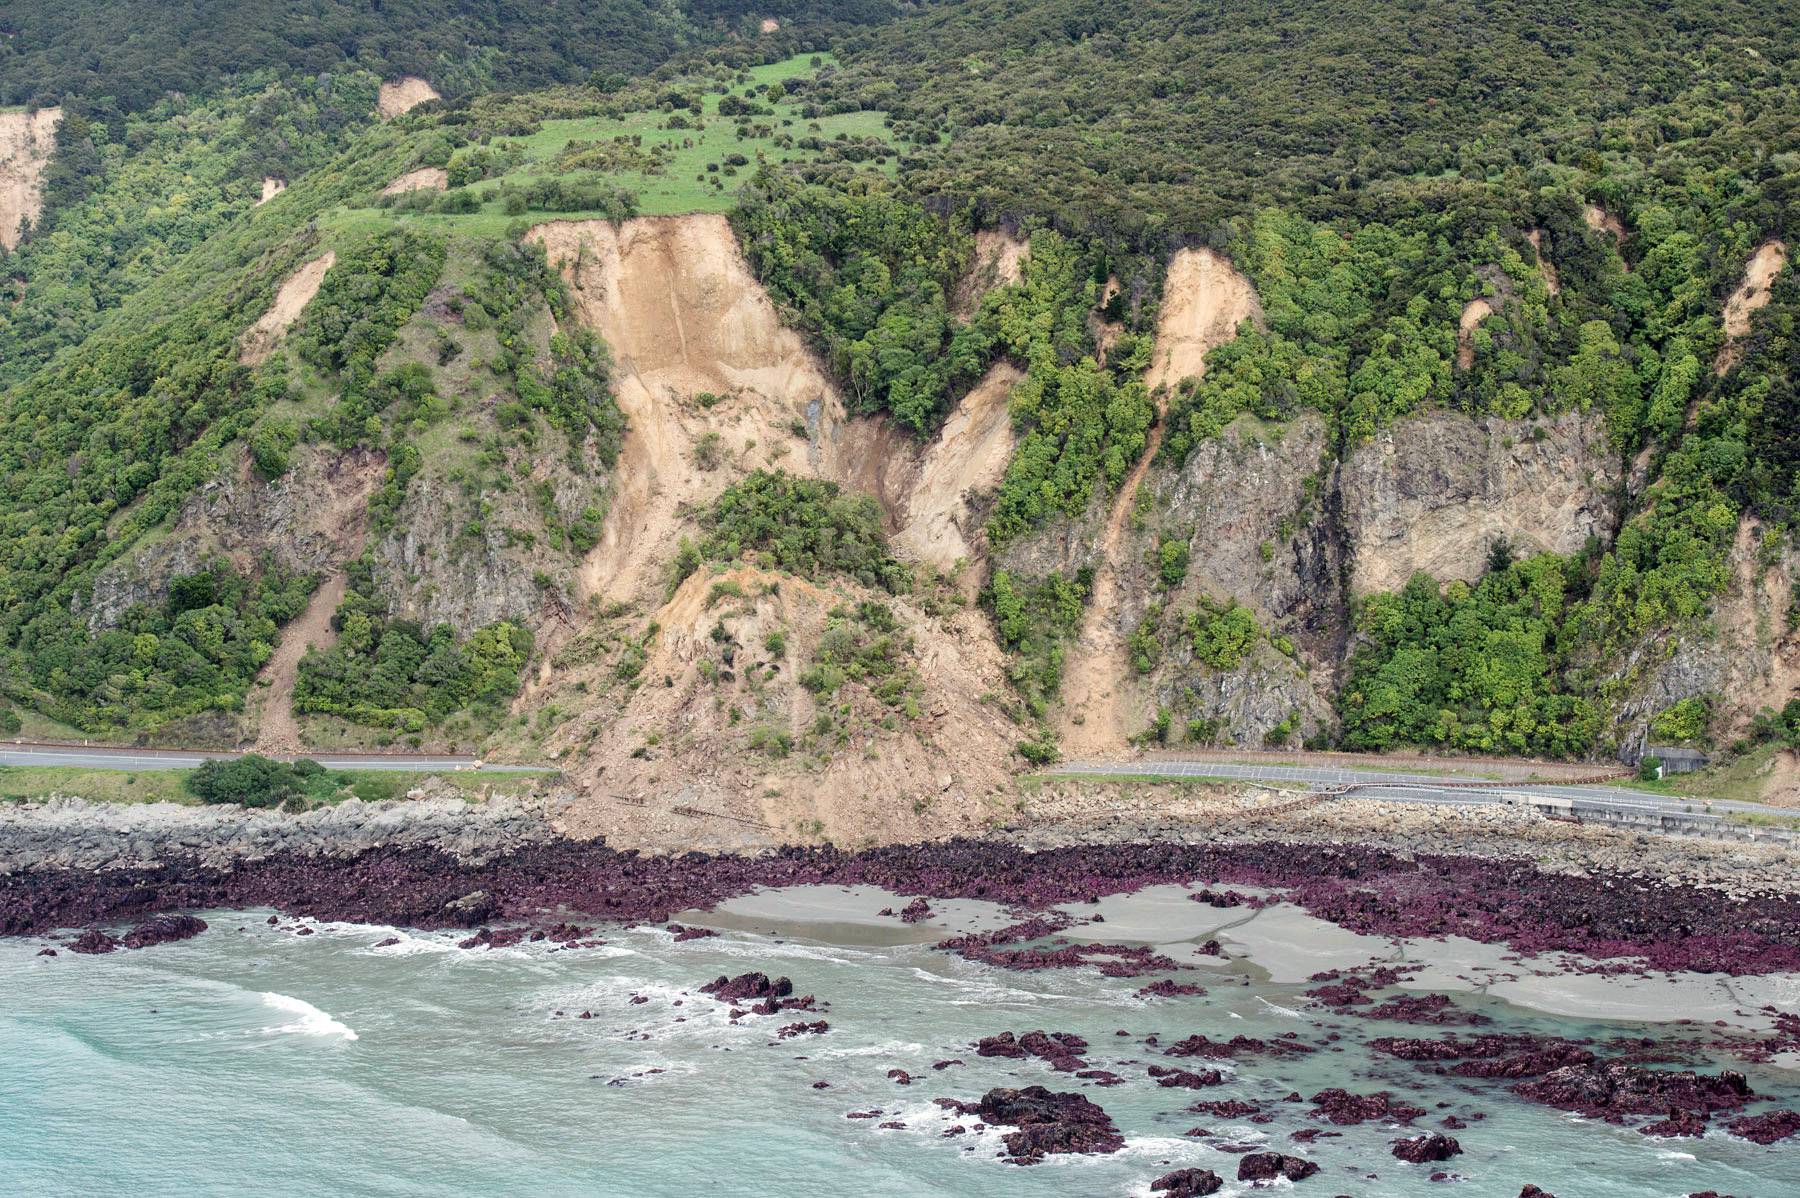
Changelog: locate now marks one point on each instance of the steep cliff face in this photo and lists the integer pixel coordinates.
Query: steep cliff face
(1744, 659)
(27, 141)
(307, 522)
(1434, 492)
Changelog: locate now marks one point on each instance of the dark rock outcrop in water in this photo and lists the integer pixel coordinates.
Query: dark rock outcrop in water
(453, 874)
(1048, 1123)
(1612, 1090)
(1187, 1183)
(1268, 1166)
(1427, 1149)
(747, 987)
(1346, 1109)
(93, 942)
(1060, 1050)
(1766, 1128)
(163, 929)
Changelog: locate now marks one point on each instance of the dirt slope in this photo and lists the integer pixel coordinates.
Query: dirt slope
(1751, 295)
(297, 291)
(671, 764)
(939, 524)
(1473, 313)
(273, 703)
(402, 96)
(271, 187)
(1552, 281)
(1601, 221)
(430, 178)
(705, 373)
(999, 260)
(27, 140)
(1205, 300)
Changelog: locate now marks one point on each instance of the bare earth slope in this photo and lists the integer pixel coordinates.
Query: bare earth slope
(402, 96)
(1205, 300)
(295, 293)
(27, 140)
(1751, 295)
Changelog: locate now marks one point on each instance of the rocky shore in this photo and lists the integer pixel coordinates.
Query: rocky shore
(1536, 888)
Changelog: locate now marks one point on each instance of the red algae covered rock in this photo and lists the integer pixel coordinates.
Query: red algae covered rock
(1187, 1183)
(684, 933)
(1270, 1166)
(1346, 1109)
(1237, 1046)
(1185, 1080)
(1427, 1149)
(1225, 1108)
(1061, 1050)
(1679, 1123)
(1612, 1090)
(92, 943)
(1765, 1128)
(1168, 988)
(1048, 1123)
(163, 929)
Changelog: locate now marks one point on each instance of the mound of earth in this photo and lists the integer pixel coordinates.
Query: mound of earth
(427, 178)
(296, 291)
(27, 140)
(402, 96)
(702, 727)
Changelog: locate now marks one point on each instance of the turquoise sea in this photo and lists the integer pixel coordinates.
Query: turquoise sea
(257, 1060)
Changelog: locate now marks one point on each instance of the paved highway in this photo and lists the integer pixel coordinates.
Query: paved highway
(1409, 787)
(105, 757)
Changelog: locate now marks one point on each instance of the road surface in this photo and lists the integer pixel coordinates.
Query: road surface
(106, 757)
(1400, 786)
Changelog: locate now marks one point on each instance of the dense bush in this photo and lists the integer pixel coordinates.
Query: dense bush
(254, 781)
(801, 525)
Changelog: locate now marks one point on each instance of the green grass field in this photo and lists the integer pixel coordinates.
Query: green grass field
(672, 170)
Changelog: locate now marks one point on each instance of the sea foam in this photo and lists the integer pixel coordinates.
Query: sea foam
(311, 1021)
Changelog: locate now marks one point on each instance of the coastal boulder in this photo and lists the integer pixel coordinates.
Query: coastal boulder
(163, 929)
(1049, 1123)
(1271, 1166)
(1425, 1149)
(1187, 1183)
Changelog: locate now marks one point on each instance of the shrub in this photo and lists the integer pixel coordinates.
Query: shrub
(253, 781)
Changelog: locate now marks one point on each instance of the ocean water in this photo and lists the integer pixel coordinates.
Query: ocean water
(253, 1060)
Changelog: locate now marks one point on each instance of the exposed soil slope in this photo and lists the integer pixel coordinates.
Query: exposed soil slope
(1552, 281)
(297, 291)
(686, 758)
(27, 140)
(1473, 313)
(429, 178)
(939, 521)
(1752, 294)
(711, 383)
(272, 706)
(1601, 221)
(999, 261)
(402, 96)
(1205, 300)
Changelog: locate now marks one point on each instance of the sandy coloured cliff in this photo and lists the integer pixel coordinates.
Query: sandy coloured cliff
(27, 142)
(428, 178)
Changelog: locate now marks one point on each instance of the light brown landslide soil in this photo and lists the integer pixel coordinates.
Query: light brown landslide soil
(1751, 295)
(1601, 221)
(271, 188)
(279, 730)
(429, 178)
(1476, 311)
(27, 140)
(967, 460)
(260, 340)
(999, 261)
(711, 383)
(402, 96)
(669, 764)
(1205, 300)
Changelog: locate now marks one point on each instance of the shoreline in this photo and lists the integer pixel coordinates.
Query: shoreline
(1629, 903)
